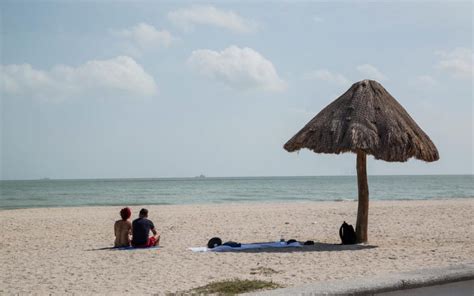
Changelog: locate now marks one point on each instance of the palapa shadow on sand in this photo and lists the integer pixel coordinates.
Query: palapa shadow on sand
(317, 247)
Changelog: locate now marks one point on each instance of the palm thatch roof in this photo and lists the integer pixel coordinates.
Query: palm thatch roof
(365, 118)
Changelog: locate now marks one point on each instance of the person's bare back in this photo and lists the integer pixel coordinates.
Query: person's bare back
(123, 229)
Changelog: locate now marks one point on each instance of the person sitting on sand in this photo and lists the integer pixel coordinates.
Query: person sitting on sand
(141, 228)
(123, 229)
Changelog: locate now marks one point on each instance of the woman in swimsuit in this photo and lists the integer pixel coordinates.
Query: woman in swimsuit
(123, 229)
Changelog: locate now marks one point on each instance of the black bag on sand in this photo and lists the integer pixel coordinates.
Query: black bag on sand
(214, 242)
(347, 234)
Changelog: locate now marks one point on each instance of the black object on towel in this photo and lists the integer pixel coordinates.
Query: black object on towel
(214, 242)
(232, 244)
(309, 243)
(291, 241)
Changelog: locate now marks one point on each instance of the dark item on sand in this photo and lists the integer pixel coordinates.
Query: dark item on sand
(232, 244)
(309, 243)
(347, 234)
(366, 119)
(291, 241)
(214, 242)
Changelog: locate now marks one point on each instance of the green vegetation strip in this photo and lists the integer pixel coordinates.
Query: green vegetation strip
(234, 286)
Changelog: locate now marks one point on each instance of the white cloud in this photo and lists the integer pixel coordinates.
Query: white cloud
(187, 18)
(458, 62)
(325, 75)
(143, 37)
(370, 72)
(240, 68)
(120, 76)
(426, 80)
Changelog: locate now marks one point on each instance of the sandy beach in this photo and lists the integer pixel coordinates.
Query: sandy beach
(61, 250)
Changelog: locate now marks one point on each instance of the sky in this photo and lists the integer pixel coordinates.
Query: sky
(104, 89)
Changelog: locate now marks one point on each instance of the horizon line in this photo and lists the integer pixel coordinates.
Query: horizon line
(200, 177)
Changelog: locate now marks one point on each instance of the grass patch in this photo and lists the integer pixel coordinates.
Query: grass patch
(234, 286)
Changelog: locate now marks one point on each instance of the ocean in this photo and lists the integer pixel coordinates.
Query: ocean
(123, 192)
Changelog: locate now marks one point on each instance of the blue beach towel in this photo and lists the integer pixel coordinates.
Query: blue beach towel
(223, 248)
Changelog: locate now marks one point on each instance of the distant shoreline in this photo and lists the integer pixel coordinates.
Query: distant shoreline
(222, 177)
(239, 203)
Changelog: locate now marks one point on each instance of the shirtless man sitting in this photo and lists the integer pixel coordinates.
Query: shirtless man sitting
(123, 229)
(141, 228)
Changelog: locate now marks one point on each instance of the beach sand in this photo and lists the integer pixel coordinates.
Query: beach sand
(58, 250)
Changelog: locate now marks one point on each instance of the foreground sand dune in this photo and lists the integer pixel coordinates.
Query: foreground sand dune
(57, 250)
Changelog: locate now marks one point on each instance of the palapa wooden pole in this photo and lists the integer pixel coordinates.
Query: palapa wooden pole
(363, 208)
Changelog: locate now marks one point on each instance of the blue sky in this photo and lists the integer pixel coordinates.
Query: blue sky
(174, 89)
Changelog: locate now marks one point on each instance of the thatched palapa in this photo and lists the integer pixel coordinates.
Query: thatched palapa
(366, 119)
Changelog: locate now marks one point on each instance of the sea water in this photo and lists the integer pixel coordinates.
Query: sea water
(121, 192)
